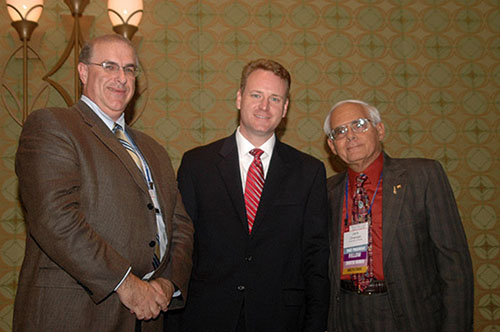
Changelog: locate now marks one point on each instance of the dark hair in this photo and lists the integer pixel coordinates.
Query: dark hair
(269, 65)
(88, 48)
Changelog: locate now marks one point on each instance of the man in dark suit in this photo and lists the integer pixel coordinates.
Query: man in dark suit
(258, 268)
(399, 259)
(108, 239)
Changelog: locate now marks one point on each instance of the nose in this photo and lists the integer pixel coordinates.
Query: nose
(350, 135)
(121, 77)
(264, 104)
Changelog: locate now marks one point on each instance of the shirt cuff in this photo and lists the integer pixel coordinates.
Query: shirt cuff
(123, 279)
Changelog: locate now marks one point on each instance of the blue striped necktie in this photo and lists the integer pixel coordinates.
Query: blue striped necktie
(127, 144)
(124, 140)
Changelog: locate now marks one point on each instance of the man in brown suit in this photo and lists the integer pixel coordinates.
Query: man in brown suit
(109, 244)
(399, 259)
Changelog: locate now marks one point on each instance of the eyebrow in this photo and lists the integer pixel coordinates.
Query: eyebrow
(262, 92)
(348, 122)
(128, 64)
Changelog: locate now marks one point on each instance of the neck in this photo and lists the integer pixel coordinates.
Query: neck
(256, 141)
(362, 165)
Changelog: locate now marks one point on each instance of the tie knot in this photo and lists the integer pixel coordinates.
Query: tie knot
(117, 127)
(256, 153)
(360, 180)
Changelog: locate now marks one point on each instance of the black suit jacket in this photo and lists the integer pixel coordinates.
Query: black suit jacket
(426, 261)
(280, 270)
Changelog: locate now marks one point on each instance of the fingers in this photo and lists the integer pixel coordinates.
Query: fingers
(165, 290)
(141, 298)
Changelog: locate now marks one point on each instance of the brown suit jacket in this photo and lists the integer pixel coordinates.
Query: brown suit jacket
(89, 217)
(426, 261)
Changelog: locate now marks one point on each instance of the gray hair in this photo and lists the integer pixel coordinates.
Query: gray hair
(373, 112)
(87, 50)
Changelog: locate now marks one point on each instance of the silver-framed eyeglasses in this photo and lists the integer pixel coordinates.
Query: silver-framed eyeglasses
(114, 68)
(358, 126)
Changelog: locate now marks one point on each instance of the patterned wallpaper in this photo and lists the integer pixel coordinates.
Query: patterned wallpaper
(432, 67)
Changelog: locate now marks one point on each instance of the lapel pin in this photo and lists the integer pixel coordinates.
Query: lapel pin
(394, 189)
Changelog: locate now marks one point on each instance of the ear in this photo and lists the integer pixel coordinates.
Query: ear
(285, 108)
(83, 72)
(238, 99)
(380, 130)
(332, 146)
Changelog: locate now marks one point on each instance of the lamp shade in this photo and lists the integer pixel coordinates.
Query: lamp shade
(125, 12)
(29, 10)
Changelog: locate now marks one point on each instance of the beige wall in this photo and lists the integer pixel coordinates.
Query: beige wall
(432, 67)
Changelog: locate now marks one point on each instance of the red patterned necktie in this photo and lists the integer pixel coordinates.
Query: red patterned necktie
(253, 187)
(360, 214)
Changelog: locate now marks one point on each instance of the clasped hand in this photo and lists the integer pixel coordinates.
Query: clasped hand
(145, 299)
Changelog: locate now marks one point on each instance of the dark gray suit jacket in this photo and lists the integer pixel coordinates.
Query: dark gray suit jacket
(280, 270)
(89, 217)
(426, 261)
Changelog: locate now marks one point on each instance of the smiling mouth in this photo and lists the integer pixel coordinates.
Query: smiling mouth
(261, 117)
(117, 90)
(353, 147)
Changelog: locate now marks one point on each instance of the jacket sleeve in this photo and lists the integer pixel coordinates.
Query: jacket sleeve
(316, 254)
(452, 253)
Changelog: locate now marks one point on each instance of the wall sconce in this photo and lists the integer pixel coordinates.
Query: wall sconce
(76, 41)
(125, 16)
(24, 15)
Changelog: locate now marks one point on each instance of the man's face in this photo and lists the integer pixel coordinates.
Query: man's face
(357, 150)
(262, 105)
(110, 91)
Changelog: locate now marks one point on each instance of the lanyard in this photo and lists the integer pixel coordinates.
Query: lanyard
(346, 222)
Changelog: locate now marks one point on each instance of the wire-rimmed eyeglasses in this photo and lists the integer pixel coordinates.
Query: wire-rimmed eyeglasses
(113, 68)
(358, 126)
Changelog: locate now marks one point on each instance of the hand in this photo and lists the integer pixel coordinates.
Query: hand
(140, 298)
(166, 289)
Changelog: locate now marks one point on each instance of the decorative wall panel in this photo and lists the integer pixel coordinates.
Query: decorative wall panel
(432, 67)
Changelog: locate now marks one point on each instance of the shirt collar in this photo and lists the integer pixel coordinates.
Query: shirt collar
(244, 145)
(373, 171)
(103, 116)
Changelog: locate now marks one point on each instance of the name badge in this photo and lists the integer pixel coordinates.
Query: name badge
(356, 249)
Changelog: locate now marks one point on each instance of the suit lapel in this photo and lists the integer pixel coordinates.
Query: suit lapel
(278, 169)
(394, 191)
(229, 170)
(102, 132)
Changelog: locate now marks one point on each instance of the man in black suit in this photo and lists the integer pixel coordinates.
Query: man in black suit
(260, 268)
(416, 271)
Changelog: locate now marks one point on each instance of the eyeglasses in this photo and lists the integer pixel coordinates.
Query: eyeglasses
(114, 68)
(358, 126)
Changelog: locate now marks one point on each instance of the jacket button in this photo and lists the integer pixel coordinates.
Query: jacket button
(241, 288)
(152, 244)
(150, 206)
(248, 258)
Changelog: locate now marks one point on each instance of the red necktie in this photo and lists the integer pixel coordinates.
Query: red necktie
(360, 214)
(253, 187)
